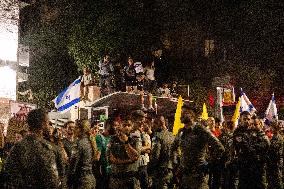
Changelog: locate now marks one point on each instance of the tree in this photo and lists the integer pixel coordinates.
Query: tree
(51, 67)
(119, 28)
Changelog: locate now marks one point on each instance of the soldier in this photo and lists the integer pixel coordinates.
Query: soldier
(275, 159)
(160, 164)
(124, 152)
(193, 140)
(83, 156)
(32, 161)
(54, 137)
(228, 172)
(69, 137)
(250, 145)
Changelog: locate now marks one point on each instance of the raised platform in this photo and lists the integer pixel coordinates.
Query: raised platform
(128, 101)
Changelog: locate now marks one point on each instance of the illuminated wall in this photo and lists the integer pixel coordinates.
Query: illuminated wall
(9, 19)
(8, 78)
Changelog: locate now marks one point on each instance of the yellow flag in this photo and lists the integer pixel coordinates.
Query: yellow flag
(204, 114)
(177, 124)
(237, 112)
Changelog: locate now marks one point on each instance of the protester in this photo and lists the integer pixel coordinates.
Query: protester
(139, 121)
(150, 81)
(164, 91)
(216, 131)
(86, 82)
(106, 74)
(96, 137)
(174, 89)
(103, 146)
(130, 76)
(140, 77)
(216, 166)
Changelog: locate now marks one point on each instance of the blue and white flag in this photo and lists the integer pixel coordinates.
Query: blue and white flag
(271, 112)
(68, 97)
(246, 105)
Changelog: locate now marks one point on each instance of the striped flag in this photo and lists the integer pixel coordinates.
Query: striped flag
(246, 105)
(271, 112)
(68, 97)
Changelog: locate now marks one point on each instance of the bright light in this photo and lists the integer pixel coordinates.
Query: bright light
(9, 19)
(8, 43)
(8, 78)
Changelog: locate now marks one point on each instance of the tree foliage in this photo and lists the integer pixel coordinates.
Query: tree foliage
(246, 35)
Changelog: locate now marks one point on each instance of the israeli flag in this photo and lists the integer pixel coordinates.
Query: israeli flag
(271, 112)
(68, 97)
(246, 105)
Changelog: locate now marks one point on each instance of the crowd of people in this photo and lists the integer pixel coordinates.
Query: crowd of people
(139, 151)
(134, 77)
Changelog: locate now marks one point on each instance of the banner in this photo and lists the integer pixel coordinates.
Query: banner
(20, 110)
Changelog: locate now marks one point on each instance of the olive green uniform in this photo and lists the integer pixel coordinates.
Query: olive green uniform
(32, 163)
(228, 174)
(251, 148)
(160, 165)
(81, 173)
(193, 143)
(275, 162)
(123, 175)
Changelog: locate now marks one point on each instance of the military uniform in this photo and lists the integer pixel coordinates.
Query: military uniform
(251, 147)
(228, 177)
(68, 145)
(81, 173)
(124, 167)
(193, 143)
(32, 163)
(275, 162)
(160, 165)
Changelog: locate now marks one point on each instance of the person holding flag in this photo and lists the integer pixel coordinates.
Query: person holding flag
(243, 104)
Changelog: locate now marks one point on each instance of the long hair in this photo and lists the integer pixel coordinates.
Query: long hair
(85, 127)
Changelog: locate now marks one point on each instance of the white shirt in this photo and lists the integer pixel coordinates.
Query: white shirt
(150, 73)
